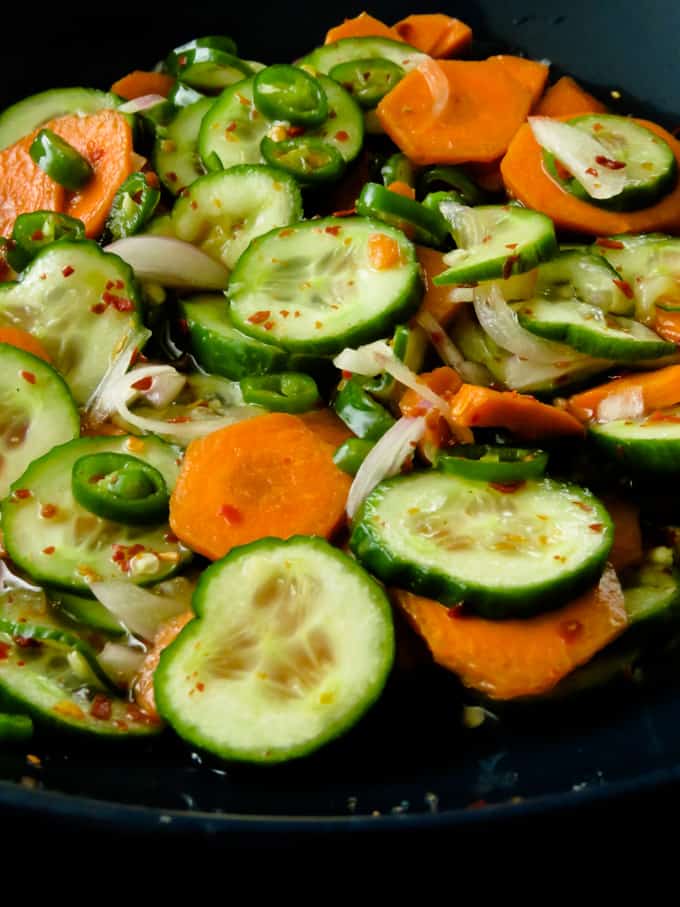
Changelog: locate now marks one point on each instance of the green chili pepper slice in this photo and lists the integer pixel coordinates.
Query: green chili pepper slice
(181, 95)
(133, 206)
(398, 169)
(363, 415)
(33, 231)
(308, 159)
(121, 488)
(448, 178)
(369, 80)
(224, 43)
(433, 200)
(352, 453)
(59, 160)
(284, 92)
(15, 728)
(282, 392)
(493, 464)
(420, 224)
(209, 69)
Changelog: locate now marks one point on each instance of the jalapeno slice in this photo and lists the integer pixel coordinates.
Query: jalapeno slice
(224, 43)
(120, 487)
(363, 415)
(352, 453)
(308, 159)
(284, 392)
(493, 464)
(59, 160)
(31, 232)
(369, 80)
(209, 69)
(398, 169)
(433, 200)
(133, 206)
(420, 224)
(448, 178)
(285, 92)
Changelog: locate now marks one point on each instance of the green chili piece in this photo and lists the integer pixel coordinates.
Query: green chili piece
(448, 178)
(176, 59)
(369, 80)
(433, 200)
(398, 169)
(309, 160)
(360, 412)
(420, 224)
(15, 728)
(33, 231)
(209, 69)
(283, 392)
(121, 488)
(284, 92)
(352, 453)
(493, 464)
(59, 160)
(133, 206)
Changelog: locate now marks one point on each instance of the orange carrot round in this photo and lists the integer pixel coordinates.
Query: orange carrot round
(24, 341)
(659, 389)
(140, 82)
(327, 425)
(522, 414)
(530, 73)
(362, 26)
(567, 98)
(507, 659)
(526, 180)
(435, 34)
(267, 476)
(24, 187)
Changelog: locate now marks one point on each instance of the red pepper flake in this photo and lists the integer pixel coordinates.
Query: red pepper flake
(200, 687)
(22, 493)
(4, 651)
(43, 276)
(101, 707)
(120, 303)
(347, 212)
(284, 233)
(333, 231)
(120, 725)
(508, 265)
(606, 243)
(231, 127)
(178, 420)
(609, 163)
(26, 642)
(625, 287)
(28, 376)
(109, 285)
(144, 384)
(294, 131)
(297, 313)
(268, 325)
(570, 630)
(507, 487)
(182, 60)
(138, 196)
(49, 550)
(21, 664)
(170, 538)
(123, 554)
(48, 511)
(592, 171)
(346, 375)
(598, 127)
(511, 245)
(151, 179)
(194, 205)
(341, 136)
(120, 284)
(98, 308)
(232, 515)
(37, 236)
(259, 317)
(183, 325)
(171, 176)
(318, 325)
(243, 101)
(284, 313)
(583, 506)
(67, 271)
(596, 527)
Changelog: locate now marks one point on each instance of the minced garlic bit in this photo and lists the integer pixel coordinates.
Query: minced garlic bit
(144, 562)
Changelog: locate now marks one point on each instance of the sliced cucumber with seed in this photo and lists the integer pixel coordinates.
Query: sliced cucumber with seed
(293, 643)
(176, 158)
(346, 50)
(650, 445)
(504, 551)
(222, 212)
(58, 542)
(37, 412)
(319, 286)
(583, 275)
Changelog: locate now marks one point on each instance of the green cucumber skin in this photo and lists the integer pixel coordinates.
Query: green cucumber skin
(15, 728)
(221, 349)
(345, 50)
(86, 611)
(191, 633)
(183, 162)
(496, 604)
(26, 115)
(644, 455)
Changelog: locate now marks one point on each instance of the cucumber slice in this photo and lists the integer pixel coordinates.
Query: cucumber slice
(315, 287)
(293, 643)
(221, 349)
(590, 330)
(70, 546)
(651, 592)
(231, 133)
(42, 682)
(493, 464)
(175, 155)
(650, 165)
(649, 445)
(363, 415)
(496, 241)
(222, 212)
(367, 80)
(209, 69)
(37, 412)
(504, 551)
(650, 266)
(81, 303)
(28, 114)
(583, 275)
(325, 58)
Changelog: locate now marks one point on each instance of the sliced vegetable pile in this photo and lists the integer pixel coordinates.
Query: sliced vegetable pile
(283, 348)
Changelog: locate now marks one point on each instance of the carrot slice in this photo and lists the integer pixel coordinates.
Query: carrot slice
(659, 389)
(667, 325)
(24, 341)
(526, 180)
(24, 187)
(530, 73)
(327, 426)
(105, 139)
(627, 548)
(567, 98)
(507, 659)
(143, 685)
(362, 26)
(476, 109)
(268, 476)
(435, 33)
(527, 417)
(140, 82)
(443, 381)
(437, 300)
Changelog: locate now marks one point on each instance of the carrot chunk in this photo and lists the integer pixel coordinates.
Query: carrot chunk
(24, 187)
(140, 82)
(437, 300)
(567, 98)
(435, 34)
(527, 417)
(327, 426)
(362, 26)
(659, 389)
(530, 73)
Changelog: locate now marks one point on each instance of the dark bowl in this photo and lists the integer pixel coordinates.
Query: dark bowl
(409, 765)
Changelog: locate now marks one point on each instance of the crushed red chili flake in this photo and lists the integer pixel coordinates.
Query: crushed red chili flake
(318, 325)
(109, 285)
(232, 515)
(507, 487)
(284, 313)
(98, 308)
(259, 317)
(296, 314)
(49, 550)
(285, 233)
(333, 231)
(120, 725)
(183, 325)
(592, 171)
(294, 131)
(123, 554)
(37, 236)
(151, 179)
(341, 135)
(48, 511)
(101, 707)
(346, 375)
(182, 60)
(22, 493)
(596, 527)
(178, 420)
(171, 176)
(625, 287)
(26, 642)
(508, 265)
(609, 163)
(606, 243)
(28, 376)
(200, 687)
(21, 664)
(120, 303)
(268, 325)
(170, 538)
(67, 271)
(4, 650)
(194, 205)
(231, 127)
(144, 384)
(511, 245)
